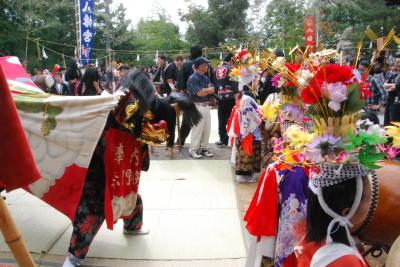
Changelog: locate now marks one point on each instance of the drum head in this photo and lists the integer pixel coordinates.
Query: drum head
(393, 258)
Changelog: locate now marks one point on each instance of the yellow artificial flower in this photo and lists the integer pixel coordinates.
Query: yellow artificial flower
(394, 131)
(298, 137)
(270, 111)
(287, 154)
(235, 72)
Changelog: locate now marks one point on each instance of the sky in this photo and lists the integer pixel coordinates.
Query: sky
(137, 9)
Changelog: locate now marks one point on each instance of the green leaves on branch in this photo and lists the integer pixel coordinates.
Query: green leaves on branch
(367, 143)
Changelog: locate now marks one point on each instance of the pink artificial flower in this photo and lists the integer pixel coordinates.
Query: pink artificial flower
(301, 157)
(336, 92)
(391, 152)
(278, 145)
(343, 157)
(275, 80)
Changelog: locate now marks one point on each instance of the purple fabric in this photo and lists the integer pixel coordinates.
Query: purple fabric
(292, 212)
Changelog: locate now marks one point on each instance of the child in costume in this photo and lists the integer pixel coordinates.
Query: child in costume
(244, 132)
(276, 216)
(243, 126)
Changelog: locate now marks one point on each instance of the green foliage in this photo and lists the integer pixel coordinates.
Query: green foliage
(359, 14)
(119, 32)
(274, 23)
(157, 35)
(203, 28)
(223, 21)
(44, 19)
(284, 21)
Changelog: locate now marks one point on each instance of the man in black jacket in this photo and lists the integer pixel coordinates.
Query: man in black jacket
(227, 91)
(171, 75)
(59, 87)
(158, 77)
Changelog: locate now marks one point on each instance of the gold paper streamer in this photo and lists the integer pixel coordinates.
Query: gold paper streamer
(396, 39)
(371, 34)
(359, 46)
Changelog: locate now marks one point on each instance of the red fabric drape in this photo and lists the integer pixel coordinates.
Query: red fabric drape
(262, 214)
(17, 165)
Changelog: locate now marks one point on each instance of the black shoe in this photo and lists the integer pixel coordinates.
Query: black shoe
(219, 143)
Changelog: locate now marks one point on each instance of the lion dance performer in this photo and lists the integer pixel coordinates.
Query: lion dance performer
(110, 190)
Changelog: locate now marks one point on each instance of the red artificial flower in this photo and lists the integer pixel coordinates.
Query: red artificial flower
(292, 67)
(312, 93)
(364, 86)
(333, 73)
(241, 54)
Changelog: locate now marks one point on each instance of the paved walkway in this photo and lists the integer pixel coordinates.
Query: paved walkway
(190, 207)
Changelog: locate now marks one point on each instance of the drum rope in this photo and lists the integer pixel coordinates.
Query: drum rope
(372, 207)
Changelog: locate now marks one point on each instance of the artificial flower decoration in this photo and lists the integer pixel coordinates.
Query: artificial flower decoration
(270, 110)
(244, 57)
(298, 136)
(333, 88)
(311, 94)
(304, 76)
(277, 81)
(343, 157)
(293, 112)
(336, 93)
(333, 73)
(323, 148)
(246, 69)
(277, 145)
(391, 152)
(235, 72)
(333, 98)
(394, 132)
(367, 139)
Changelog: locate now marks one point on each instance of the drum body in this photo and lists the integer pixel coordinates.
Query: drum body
(381, 224)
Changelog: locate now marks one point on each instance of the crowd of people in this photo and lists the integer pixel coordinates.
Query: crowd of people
(212, 87)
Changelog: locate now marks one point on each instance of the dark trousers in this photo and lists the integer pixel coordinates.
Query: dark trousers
(387, 115)
(90, 216)
(395, 112)
(224, 112)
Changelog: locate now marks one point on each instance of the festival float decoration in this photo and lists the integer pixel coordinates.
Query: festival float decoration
(246, 69)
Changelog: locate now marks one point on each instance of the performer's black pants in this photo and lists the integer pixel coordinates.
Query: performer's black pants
(90, 213)
(224, 112)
